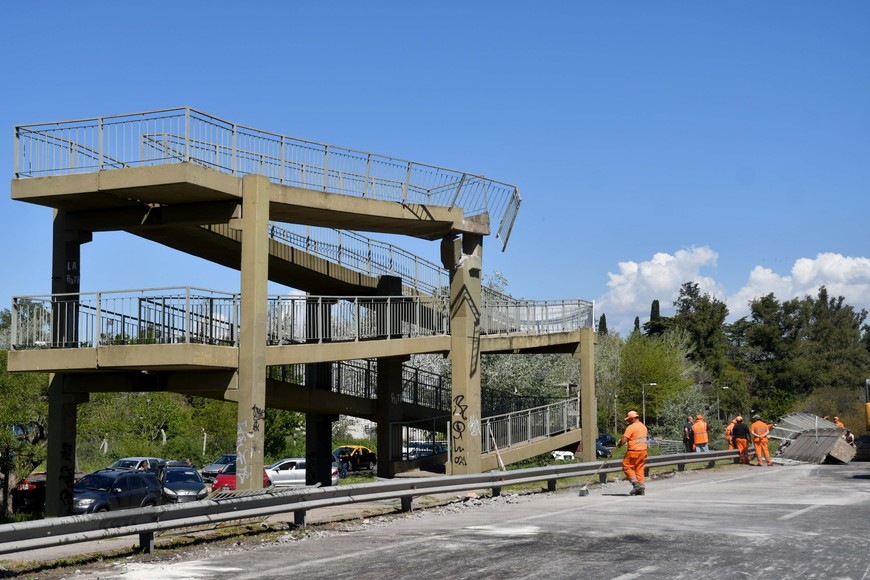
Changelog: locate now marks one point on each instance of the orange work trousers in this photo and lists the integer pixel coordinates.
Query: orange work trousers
(742, 449)
(761, 450)
(730, 440)
(634, 464)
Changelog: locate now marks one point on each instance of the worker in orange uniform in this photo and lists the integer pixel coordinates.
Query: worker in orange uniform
(700, 428)
(740, 433)
(634, 462)
(728, 437)
(760, 430)
(839, 423)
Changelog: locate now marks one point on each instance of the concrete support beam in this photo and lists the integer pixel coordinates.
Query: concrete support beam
(389, 411)
(585, 355)
(252, 346)
(318, 428)
(463, 256)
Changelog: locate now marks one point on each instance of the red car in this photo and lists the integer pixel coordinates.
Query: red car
(226, 479)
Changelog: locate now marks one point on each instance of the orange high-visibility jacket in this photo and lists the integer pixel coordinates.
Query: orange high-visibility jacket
(759, 429)
(700, 430)
(636, 434)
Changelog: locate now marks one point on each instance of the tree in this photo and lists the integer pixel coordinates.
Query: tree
(703, 319)
(657, 325)
(602, 325)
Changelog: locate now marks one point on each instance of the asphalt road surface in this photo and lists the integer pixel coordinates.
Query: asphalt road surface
(791, 522)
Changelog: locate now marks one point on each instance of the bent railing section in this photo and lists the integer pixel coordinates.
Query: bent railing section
(191, 136)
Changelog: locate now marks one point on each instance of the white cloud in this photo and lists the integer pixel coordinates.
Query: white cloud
(636, 285)
(633, 289)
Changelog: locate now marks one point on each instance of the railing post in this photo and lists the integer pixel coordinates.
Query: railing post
(16, 152)
(146, 542)
(326, 168)
(187, 316)
(283, 159)
(186, 134)
(368, 173)
(406, 184)
(100, 144)
(99, 318)
(389, 320)
(233, 160)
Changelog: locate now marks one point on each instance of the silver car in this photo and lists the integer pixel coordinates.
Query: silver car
(290, 472)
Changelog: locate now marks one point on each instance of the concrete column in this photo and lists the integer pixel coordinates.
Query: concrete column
(252, 332)
(318, 448)
(61, 460)
(585, 355)
(65, 278)
(463, 258)
(389, 411)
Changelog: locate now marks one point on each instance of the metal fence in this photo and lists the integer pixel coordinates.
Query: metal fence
(187, 135)
(523, 426)
(509, 316)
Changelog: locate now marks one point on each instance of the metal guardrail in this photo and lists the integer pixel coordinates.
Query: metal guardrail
(186, 135)
(196, 315)
(22, 536)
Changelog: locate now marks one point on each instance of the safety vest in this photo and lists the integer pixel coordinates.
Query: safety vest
(728, 429)
(637, 436)
(700, 430)
(759, 429)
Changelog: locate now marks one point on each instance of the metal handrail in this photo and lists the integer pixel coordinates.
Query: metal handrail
(32, 535)
(518, 427)
(193, 315)
(184, 134)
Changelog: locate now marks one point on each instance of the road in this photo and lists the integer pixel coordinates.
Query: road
(776, 522)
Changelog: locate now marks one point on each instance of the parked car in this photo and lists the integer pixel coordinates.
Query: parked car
(210, 471)
(606, 439)
(601, 450)
(182, 484)
(562, 455)
(29, 495)
(226, 479)
(356, 456)
(116, 489)
(290, 472)
(155, 464)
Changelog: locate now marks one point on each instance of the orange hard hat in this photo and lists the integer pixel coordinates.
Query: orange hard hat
(700, 417)
(631, 415)
(738, 418)
(836, 418)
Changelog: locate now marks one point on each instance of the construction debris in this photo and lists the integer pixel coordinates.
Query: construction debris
(812, 439)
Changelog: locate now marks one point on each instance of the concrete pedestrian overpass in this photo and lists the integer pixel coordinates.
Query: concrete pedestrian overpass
(288, 211)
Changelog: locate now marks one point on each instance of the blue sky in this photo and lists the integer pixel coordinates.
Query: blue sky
(654, 143)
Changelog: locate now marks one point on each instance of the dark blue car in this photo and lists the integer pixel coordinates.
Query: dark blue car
(116, 489)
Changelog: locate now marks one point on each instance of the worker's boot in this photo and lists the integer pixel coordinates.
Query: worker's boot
(636, 488)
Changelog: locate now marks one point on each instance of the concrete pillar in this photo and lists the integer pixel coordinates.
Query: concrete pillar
(61, 460)
(252, 332)
(463, 257)
(318, 448)
(389, 411)
(65, 278)
(585, 355)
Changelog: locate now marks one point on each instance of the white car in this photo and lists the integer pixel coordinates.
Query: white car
(563, 455)
(290, 472)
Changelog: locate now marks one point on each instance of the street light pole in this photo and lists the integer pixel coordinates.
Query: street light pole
(643, 387)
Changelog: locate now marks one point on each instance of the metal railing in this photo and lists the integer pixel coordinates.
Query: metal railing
(365, 255)
(502, 431)
(417, 439)
(186, 135)
(358, 378)
(509, 316)
(32, 535)
(196, 315)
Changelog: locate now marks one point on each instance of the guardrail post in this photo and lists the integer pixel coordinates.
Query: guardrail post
(146, 542)
(681, 467)
(299, 517)
(711, 463)
(551, 485)
(602, 478)
(406, 504)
